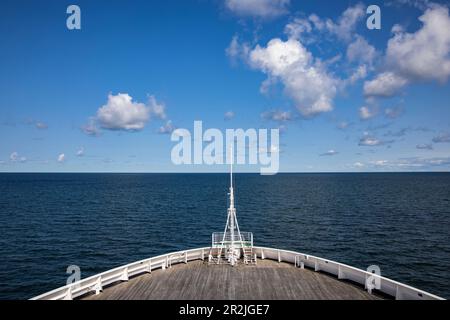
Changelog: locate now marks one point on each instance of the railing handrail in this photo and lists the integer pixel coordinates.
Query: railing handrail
(96, 282)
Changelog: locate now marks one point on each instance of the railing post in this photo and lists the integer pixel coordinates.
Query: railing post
(124, 276)
(185, 257)
(203, 254)
(262, 254)
(149, 267)
(98, 286)
(340, 273)
(397, 293)
(279, 256)
(68, 295)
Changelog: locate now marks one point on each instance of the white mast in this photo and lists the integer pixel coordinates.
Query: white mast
(232, 212)
(232, 243)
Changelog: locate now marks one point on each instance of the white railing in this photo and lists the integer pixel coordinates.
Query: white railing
(97, 282)
(344, 272)
(218, 239)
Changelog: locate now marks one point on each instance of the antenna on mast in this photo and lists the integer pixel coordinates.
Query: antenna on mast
(231, 165)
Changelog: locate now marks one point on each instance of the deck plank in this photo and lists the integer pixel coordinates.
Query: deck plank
(268, 280)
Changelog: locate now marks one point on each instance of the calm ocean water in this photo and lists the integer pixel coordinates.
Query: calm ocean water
(400, 222)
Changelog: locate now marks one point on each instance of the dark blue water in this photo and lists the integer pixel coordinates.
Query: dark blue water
(400, 222)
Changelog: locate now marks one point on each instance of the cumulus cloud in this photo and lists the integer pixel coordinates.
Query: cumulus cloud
(258, 8)
(361, 51)
(298, 27)
(237, 50)
(304, 79)
(366, 113)
(329, 153)
(61, 157)
(122, 113)
(416, 57)
(345, 26)
(386, 84)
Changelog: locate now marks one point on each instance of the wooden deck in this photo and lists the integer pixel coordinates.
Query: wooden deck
(268, 280)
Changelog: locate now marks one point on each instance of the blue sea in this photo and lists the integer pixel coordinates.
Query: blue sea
(398, 221)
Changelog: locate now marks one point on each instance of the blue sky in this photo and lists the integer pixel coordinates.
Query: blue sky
(346, 98)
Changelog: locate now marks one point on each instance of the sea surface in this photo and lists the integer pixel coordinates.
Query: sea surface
(398, 221)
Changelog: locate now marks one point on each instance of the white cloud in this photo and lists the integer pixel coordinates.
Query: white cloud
(416, 57)
(280, 116)
(366, 113)
(412, 163)
(14, 156)
(41, 125)
(122, 113)
(157, 109)
(80, 152)
(91, 128)
(361, 51)
(359, 73)
(329, 153)
(258, 8)
(423, 55)
(304, 79)
(237, 50)
(61, 157)
(345, 26)
(168, 128)
(380, 163)
(369, 141)
(386, 84)
(228, 115)
(358, 165)
(297, 27)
